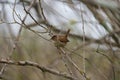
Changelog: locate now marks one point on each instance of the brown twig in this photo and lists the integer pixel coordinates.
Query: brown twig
(73, 64)
(42, 68)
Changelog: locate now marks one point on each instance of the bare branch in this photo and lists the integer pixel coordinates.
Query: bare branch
(42, 68)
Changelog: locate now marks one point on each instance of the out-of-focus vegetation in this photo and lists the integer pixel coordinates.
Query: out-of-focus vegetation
(93, 52)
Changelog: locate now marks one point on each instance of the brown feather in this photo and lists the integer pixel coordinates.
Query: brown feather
(61, 38)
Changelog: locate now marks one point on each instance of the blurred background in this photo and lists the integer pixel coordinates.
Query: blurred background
(93, 50)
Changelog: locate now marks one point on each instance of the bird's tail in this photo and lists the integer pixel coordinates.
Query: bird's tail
(67, 32)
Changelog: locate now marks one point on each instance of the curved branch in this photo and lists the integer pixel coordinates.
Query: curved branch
(42, 68)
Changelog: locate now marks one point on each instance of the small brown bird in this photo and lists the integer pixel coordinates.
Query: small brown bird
(61, 40)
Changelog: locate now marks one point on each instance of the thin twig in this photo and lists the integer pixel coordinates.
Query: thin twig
(83, 49)
(70, 60)
(42, 68)
(42, 12)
